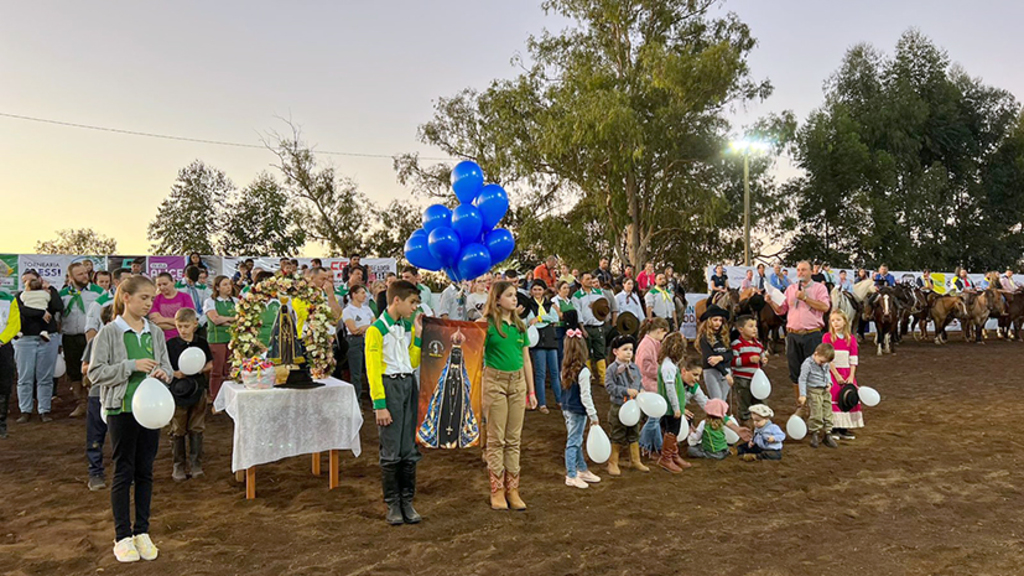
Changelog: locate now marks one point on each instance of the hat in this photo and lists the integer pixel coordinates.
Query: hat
(571, 318)
(527, 303)
(622, 340)
(716, 408)
(712, 311)
(762, 410)
(627, 323)
(848, 398)
(186, 391)
(601, 309)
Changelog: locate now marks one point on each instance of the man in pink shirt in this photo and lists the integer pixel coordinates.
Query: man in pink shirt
(646, 278)
(166, 304)
(806, 303)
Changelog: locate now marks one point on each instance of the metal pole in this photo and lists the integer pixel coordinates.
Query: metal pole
(746, 210)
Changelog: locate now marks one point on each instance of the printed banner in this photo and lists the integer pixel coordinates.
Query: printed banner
(689, 321)
(50, 267)
(125, 262)
(173, 265)
(9, 275)
(451, 375)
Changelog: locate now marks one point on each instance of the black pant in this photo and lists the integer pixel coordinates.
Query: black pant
(74, 347)
(762, 454)
(800, 347)
(7, 371)
(95, 434)
(134, 450)
(398, 440)
(671, 424)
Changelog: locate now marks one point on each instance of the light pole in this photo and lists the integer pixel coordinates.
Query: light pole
(745, 147)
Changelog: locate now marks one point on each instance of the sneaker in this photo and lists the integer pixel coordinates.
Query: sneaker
(45, 417)
(847, 436)
(96, 483)
(544, 410)
(588, 476)
(147, 550)
(23, 419)
(125, 550)
(576, 482)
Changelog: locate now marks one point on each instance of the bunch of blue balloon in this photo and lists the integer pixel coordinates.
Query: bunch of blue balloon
(463, 242)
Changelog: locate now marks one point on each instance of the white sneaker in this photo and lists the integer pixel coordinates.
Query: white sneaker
(588, 476)
(576, 482)
(147, 550)
(125, 550)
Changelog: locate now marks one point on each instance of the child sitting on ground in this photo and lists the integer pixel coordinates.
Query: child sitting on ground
(767, 441)
(708, 440)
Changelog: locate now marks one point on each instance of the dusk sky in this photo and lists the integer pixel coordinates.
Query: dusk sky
(357, 76)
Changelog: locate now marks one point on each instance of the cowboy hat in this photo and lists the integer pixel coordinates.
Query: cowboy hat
(627, 323)
(601, 309)
(186, 391)
(712, 311)
(848, 398)
(623, 340)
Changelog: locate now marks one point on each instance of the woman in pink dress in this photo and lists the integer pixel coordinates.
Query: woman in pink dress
(844, 371)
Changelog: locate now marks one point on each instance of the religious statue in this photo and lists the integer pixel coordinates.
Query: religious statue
(450, 421)
(286, 351)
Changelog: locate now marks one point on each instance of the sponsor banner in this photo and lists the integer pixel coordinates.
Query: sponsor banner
(9, 275)
(173, 265)
(51, 267)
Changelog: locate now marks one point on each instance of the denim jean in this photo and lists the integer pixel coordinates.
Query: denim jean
(650, 435)
(575, 424)
(95, 434)
(545, 361)
(35, 367)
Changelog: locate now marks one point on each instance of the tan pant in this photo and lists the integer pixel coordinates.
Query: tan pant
(820, 402)
(505, 410)
(191, 419)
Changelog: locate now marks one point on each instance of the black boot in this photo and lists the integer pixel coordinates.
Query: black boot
(178, 453)
(4, 406)
(392, 493)
(407, 481)
(195, 446)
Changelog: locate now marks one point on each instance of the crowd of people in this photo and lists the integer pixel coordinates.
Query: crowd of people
(594, 328)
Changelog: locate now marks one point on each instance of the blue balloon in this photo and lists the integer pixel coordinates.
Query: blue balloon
(467, 223)
(444, 245)
(467, 180)
(474, 260)
(493, 204)
(418, 253)
(500, 244)
(453, 274)
(437, 216)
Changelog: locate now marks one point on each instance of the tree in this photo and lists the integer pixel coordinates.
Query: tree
(394, 224)
(909, 162)
(261, 219)
(330, 208)
(83, 241)
(619, 125)
(187, 219)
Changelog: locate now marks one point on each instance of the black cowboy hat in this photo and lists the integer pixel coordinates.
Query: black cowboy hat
(601, 309)
(186, 391)
(627, 323)
(848, 398)
(527, 303)
(712, 311)
(571, 318)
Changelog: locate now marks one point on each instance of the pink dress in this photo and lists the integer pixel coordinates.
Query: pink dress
(846, 356)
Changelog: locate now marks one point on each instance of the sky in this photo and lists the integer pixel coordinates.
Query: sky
(358, 77)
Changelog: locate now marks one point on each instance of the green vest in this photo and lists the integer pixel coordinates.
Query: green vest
(221, 334)
(713, 440)
(138, 347)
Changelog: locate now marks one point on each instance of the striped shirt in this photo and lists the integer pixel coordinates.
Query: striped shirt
(746, 357)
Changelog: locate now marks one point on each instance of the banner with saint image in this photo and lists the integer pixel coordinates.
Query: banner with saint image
(451, 374)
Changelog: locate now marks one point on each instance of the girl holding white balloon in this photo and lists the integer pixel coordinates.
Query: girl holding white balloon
(130, 364)
(577, 408)
(844, 371)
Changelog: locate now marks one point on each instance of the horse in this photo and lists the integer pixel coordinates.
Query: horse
(1014, 316)
(886, 315)
(862, 292)
(944, 309)
(847, 304)
(914, 307)
(985, 305)
(769, 327)
(728, 300)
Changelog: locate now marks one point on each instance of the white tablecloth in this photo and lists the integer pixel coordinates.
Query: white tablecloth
(281, 423)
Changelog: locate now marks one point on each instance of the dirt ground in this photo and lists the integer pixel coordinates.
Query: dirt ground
(932, 485)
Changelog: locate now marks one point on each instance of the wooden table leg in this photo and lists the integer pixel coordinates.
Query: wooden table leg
(240, 476)
(333, 482)
(250, 483)
(316, 463)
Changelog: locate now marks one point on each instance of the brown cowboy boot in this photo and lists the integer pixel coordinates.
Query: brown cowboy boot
(498, 501)
(676, 456)
(512, 492)
(613, 461)
(634, 457)
(666, 461)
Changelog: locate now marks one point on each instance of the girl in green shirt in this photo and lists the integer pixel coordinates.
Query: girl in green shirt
(220, 313)
(507, 387)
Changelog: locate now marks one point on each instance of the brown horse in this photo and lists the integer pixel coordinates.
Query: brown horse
(886, 313)
(985, 305)
(944, 309)
(769, 327)
(1014, 317)
(729, 300)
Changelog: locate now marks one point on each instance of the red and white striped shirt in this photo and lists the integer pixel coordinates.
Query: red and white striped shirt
(746, 357)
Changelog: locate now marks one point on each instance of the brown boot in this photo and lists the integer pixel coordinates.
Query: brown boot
(666, 461)
(613, 461)
(634, 457)
(676, 457)
(512, 492)
(498, 501)
(79, 411)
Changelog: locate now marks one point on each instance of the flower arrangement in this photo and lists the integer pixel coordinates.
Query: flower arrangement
(246, 345)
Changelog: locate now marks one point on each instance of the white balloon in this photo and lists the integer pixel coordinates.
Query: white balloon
(731, 436)
(152, 404)
(103, 414)
(61, 367)
(629, 414)
(599, 448)
(869, 396)
(191, 361)
(532, 336)
(760, 386)
(796, 428)
(652, 404)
